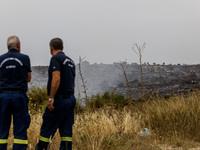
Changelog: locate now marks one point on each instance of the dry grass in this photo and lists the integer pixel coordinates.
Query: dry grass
(107, 129)
(174, 119)
(173, 123)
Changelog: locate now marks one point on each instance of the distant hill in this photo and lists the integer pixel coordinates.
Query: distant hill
(163, 79)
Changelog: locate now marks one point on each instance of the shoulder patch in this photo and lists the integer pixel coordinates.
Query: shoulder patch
(68, 60)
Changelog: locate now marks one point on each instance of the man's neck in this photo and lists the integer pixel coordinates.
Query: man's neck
(15, 48)
(56, 51)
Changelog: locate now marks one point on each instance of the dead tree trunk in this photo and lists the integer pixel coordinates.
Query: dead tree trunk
(122, 67)
(83, 81)
(139, 50)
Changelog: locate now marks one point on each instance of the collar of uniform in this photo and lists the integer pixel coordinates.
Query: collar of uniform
(60, 53)
(13, 50)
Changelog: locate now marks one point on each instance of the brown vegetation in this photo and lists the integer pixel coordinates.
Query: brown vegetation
(173, 122)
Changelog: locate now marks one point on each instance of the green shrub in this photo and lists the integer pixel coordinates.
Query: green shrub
(79, 106)
(108, 99)
(38, 97)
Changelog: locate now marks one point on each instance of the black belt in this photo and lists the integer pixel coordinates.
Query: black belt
(64, 96)
(12, 91)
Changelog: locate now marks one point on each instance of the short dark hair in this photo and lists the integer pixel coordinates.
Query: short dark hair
(56, 43)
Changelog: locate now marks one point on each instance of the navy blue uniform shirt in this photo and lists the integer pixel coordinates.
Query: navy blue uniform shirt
(13, 70)
(66, 66)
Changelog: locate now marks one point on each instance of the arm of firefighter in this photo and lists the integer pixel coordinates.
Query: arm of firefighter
(54, 87)
(28, 76)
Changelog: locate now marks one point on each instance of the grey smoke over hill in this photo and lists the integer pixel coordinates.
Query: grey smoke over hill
(162, 79)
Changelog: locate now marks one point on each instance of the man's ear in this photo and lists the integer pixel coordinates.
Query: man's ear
(51, 50)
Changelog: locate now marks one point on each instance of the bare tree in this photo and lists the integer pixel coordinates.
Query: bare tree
(124, 68)
(83, 81)
(139, 50)
(78, 89)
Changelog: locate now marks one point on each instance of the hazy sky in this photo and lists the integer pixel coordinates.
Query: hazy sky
(104, 31)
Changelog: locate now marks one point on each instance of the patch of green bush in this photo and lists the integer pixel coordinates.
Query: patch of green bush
(108, 99)
(38, 97)
(79, 107)
(38, 100)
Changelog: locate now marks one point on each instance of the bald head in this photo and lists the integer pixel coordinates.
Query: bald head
(13, 42)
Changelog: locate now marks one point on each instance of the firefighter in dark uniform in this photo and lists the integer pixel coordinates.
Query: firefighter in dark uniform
(59, 113)
(15, 72)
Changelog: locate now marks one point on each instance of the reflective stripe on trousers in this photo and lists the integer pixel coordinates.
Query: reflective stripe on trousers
(16, 141)
(66, 139)
(44, 139)
(3, 141)
(20, 141)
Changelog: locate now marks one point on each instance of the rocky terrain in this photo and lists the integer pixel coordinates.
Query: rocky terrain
(162, 79)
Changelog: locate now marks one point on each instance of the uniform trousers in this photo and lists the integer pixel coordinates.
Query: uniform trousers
(16, 104)
(62, 118)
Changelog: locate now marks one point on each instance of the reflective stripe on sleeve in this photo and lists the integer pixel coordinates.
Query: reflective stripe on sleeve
(20, 141)
(66, 138)
(3, 141)
(44, 139)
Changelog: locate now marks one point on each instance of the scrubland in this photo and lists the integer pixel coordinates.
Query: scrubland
(112, 122)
